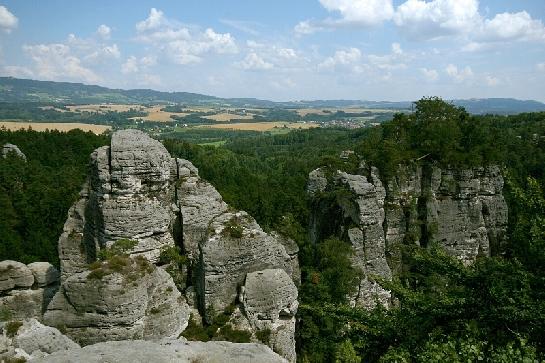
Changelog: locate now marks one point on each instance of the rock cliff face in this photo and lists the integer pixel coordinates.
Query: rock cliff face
(136, 191)
(463, 211)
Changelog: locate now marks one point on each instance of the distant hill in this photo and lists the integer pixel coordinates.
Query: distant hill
(25, 90)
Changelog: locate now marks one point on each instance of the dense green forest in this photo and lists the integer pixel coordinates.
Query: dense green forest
(35, 195)
(493, 310)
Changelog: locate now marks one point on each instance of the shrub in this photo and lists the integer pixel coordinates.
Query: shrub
(12, 327)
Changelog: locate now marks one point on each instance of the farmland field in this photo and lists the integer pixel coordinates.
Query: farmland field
(225, 117)
(60, 126)
(262, 126)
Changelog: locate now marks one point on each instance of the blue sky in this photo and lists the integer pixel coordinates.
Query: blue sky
(283, 50)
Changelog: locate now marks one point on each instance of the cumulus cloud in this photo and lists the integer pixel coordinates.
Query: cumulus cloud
(56, 61)
(135, 65)
(423, 20)
(254, 62)
(8, 21)
(459, 75)
(104, 31)
(130, 65)
(154, 20)
(342, 58)
(430, 74)
(180, 44)
(513, 26)
(360, 12)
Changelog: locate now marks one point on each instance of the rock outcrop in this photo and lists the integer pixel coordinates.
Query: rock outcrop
(463, 211)
(139, 302)
(29, 339)
(25, 290)
(10, 148)
(136, 191)
(166, 351)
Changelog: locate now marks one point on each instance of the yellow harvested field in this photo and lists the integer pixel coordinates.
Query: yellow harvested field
(262, 126)
(155, 114)
(102, 108)
(60, 126)
(224, 117)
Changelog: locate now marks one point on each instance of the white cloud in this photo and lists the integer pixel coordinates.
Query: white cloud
(104, 31)
(154, 20)
(342, 58)
(56, 62)
(148, 61)
(306, 27)
(221, 43)
(178, 43)
(459, 75)
(287, 53)
(430, 74)
(422, 20)
(243, 26)
(513, 26)
(360, 12)
(8, 21)
(541, 67)
(492, 81)
(104, 53)
(396, 49)
(130, 65)
(255, 62)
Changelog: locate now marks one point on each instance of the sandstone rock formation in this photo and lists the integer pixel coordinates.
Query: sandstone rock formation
(135, 303)
(270, 302)
(166, 351)
(10, 148)
(25, 290)
(463, 211)
(136, 191)
(30, 339)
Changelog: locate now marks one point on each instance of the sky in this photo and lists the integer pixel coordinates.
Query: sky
(394, 50)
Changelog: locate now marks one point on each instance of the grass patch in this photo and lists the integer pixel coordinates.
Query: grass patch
(233, 228)
(220, 329)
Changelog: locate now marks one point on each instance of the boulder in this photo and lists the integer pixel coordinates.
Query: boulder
(166, 351)
(33, 336)
(44, 273)
(15, 274)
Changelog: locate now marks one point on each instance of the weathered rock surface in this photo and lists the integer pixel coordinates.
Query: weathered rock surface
(166, 351)
(15, 274)
(10, 148)
(270, 303)
(133, 304)
(32, 340)
(463, 211)
(33, 336)
(44, 273)
(25, 290)
(236, 246)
